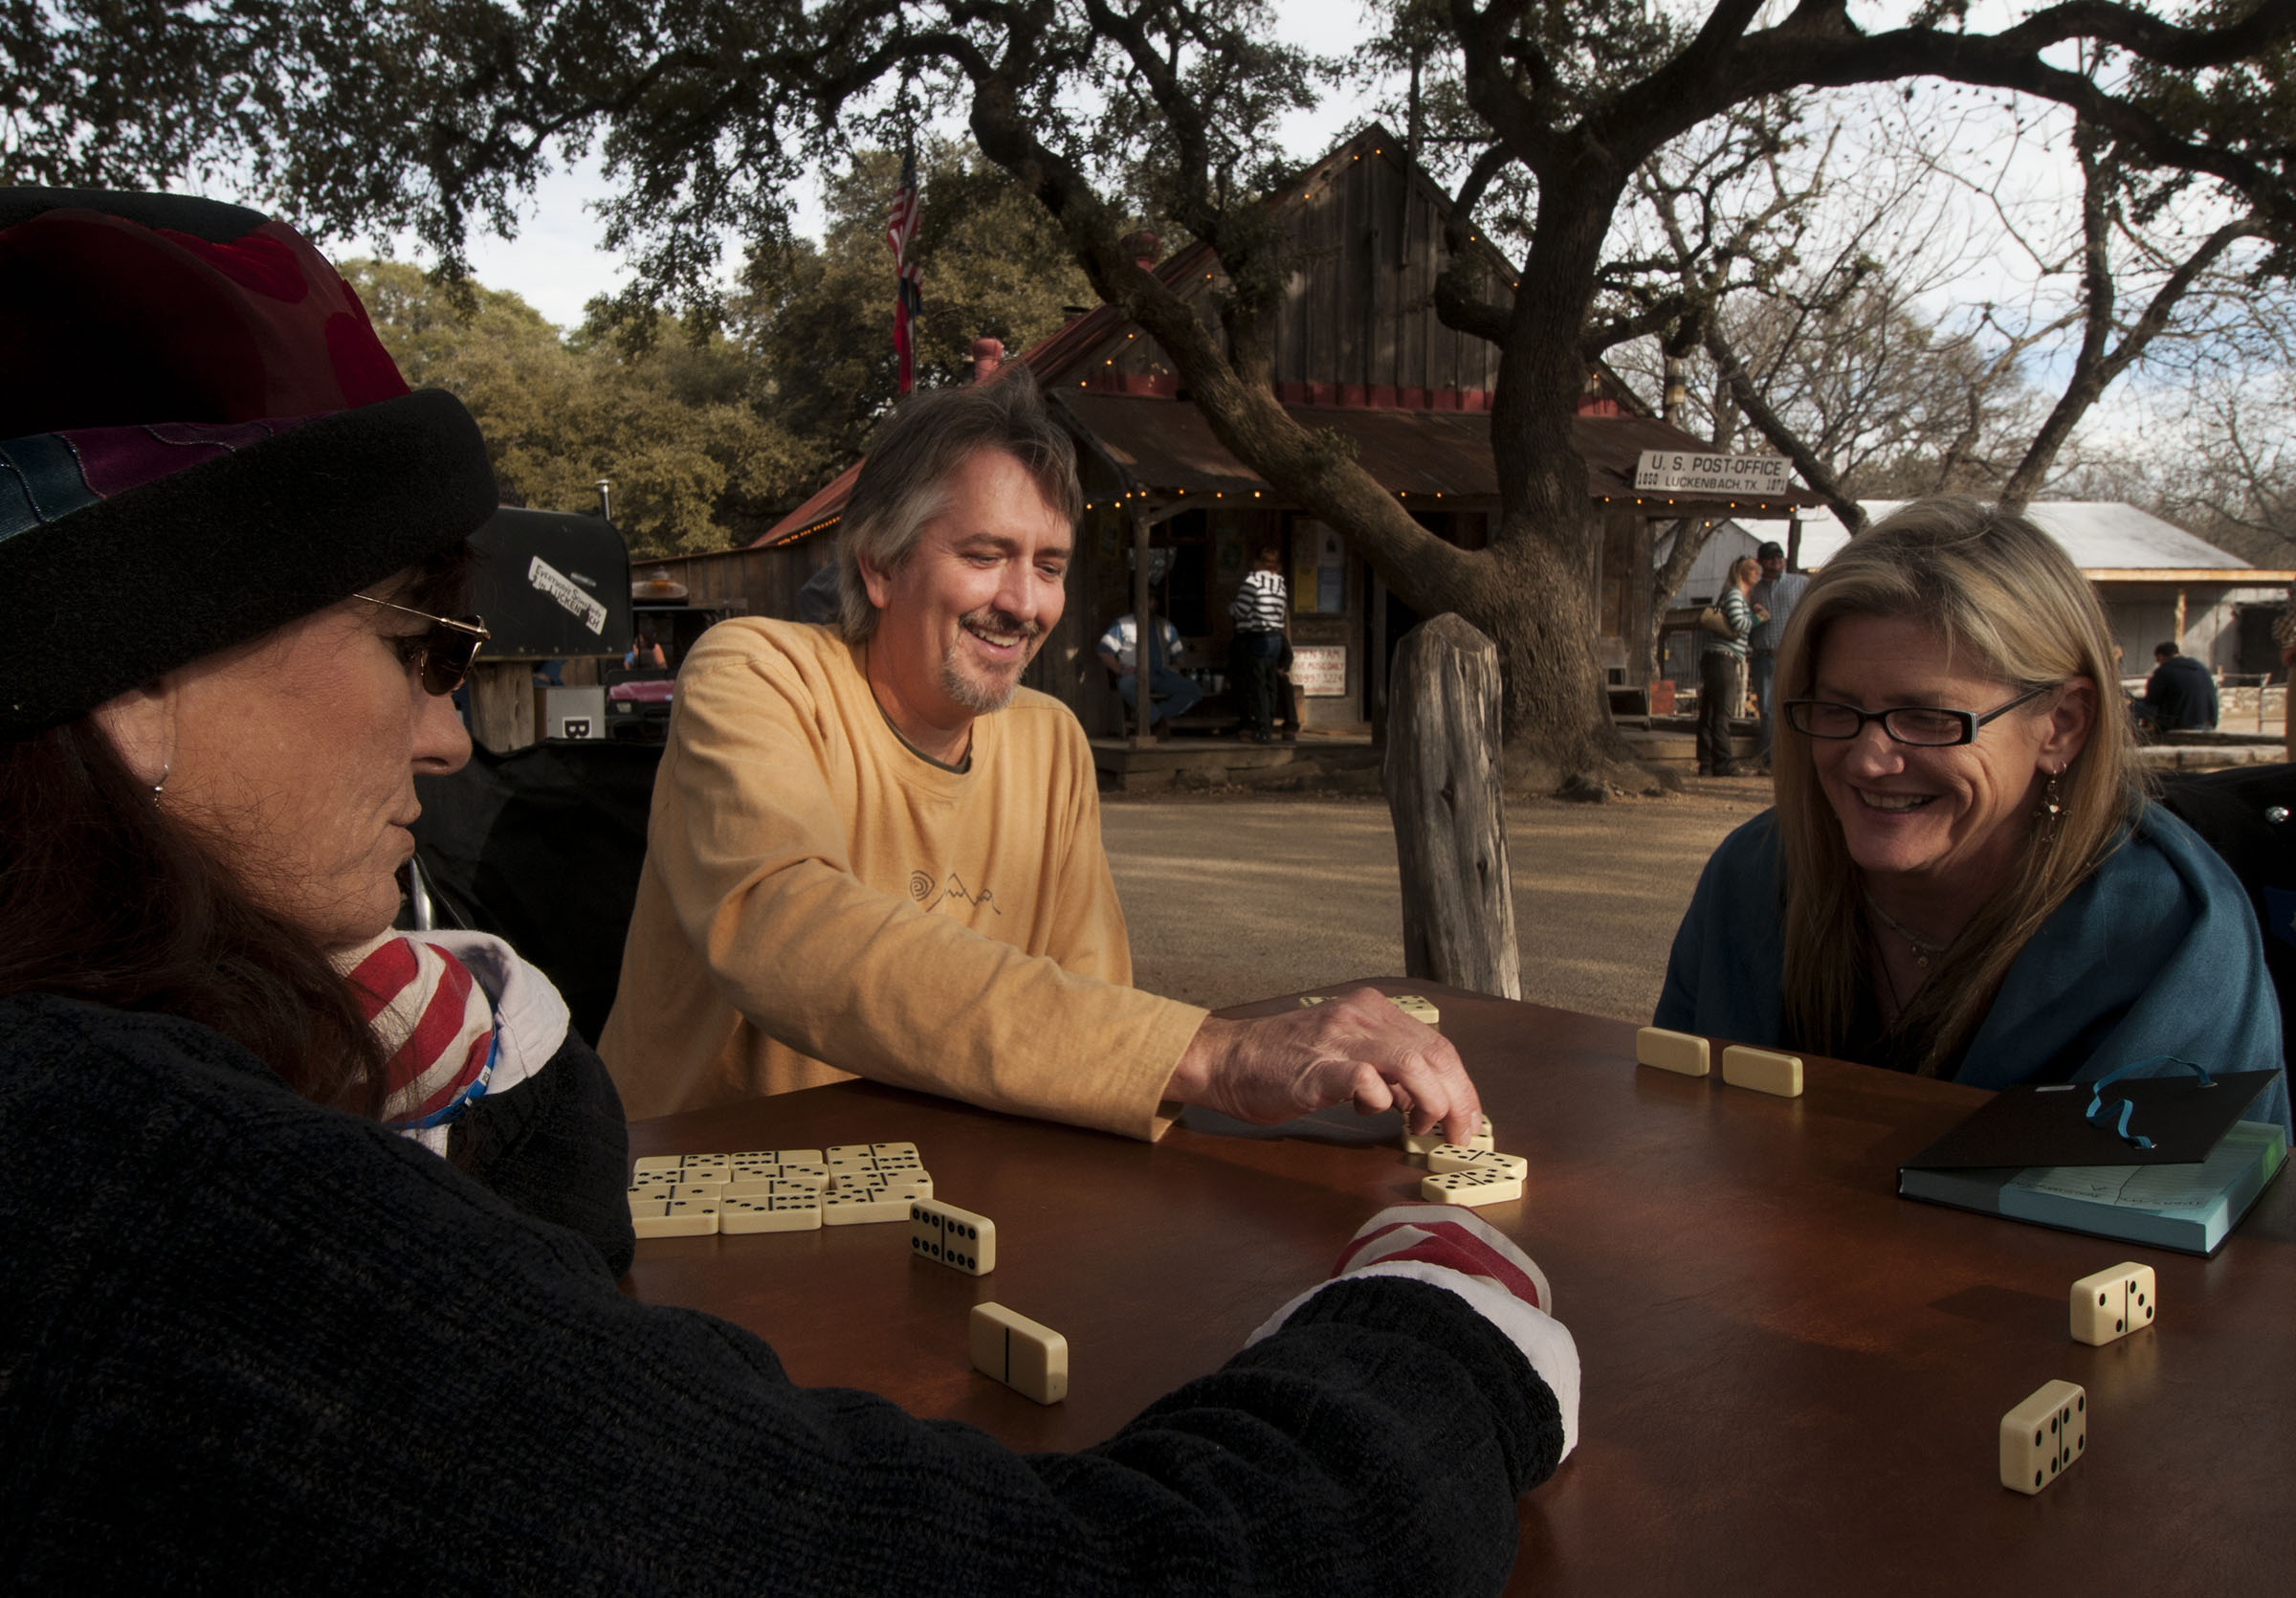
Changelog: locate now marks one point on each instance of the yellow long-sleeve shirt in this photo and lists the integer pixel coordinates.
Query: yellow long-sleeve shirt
(816, 891)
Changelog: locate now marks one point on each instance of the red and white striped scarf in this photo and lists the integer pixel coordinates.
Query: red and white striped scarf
(435, 1022)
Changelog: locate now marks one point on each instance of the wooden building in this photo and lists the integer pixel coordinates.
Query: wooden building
(1360, 351)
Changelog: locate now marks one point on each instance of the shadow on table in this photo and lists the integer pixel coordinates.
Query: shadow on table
(1338, 1126)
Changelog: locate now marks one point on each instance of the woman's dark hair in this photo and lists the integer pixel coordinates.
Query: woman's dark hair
(106, 896)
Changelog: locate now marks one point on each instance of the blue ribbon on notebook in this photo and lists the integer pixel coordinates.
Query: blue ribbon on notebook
(2098, 1107)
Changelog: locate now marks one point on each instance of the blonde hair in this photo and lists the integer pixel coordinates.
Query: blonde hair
(1738, 568)
(1999, 589)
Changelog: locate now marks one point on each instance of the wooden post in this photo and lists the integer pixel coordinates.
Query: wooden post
(503, 704)
(1143, 618)
(1443, 781)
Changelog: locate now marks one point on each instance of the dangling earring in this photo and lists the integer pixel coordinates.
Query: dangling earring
(160, 787)
(2052, 808)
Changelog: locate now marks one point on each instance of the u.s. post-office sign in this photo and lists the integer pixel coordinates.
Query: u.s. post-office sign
(1681, 471)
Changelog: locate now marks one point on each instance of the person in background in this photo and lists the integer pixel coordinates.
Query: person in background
(1171, 693)
(645, 652)
(1262, 613)
(1772, 598)
(2180, 695)
(311, 1230)
(1975, 884)
(1722, 671)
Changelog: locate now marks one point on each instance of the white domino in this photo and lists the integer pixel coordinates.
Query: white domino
(785, 1213)
(683, 1168)
(1417, 1006)
(775, 1156)
(1450, 1157)
(1763, 1070)
(1417, 1146)
(1677, 1052)
(675, 1218)
(882, 1155)
(663, 1193)
(954, 1237)
(1470, 1187)
(869, 1180)
(2112, 1304)
(1027, 1357)
(752, 1181)
(867, 1204)
(763, 1187)
(2044, 1436)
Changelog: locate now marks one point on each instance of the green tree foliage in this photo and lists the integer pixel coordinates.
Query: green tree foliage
(675, 426)
(818, 319)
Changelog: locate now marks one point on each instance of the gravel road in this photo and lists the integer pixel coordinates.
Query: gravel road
(1237, 898)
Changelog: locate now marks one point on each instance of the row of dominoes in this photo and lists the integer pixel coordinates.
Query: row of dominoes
(1470, 1173)
(776, 1189)
(798, 1189)
(2045, 1434)
(1763, 1070)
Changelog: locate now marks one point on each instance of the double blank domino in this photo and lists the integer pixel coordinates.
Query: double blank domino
(1029, 1358)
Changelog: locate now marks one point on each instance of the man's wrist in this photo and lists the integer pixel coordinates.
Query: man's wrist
(1200, 1062)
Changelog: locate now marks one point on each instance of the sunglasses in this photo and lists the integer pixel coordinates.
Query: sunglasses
(445, 650)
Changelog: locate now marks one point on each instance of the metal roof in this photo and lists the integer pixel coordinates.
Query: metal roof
(2100, 535)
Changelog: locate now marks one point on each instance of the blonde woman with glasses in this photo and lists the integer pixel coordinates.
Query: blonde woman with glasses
(1963, 877)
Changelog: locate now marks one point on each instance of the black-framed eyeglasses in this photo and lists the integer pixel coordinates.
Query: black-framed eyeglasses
(445, 650)
(1922, 725)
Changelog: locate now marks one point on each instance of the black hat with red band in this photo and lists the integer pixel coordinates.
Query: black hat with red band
(201, 439)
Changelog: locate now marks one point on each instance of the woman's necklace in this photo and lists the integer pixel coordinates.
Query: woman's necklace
(1923, 948)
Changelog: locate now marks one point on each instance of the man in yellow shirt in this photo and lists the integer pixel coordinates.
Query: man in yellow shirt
(872, 852)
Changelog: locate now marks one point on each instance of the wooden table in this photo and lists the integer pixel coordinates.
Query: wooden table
(1793, 1379)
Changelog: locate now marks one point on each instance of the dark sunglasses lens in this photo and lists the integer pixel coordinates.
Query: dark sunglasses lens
(447, 656)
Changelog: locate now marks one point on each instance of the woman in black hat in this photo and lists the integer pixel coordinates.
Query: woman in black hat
(261, 1336)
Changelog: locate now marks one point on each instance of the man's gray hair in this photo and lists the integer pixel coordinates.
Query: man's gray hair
(931, 434)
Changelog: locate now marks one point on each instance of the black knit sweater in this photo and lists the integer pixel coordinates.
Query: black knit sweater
(252, 1345)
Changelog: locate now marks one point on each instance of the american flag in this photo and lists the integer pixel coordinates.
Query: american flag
(908, 301)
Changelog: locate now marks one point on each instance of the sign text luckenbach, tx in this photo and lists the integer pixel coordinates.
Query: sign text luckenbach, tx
(1758, 476)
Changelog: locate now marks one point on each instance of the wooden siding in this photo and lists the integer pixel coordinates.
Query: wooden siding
(1359, 310)
(765, 580)
(1358, 325)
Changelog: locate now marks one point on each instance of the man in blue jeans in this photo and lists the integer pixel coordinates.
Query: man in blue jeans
(1778, 593)
(1170, 695)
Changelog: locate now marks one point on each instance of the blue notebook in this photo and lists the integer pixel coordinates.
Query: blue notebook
(2191, 1209)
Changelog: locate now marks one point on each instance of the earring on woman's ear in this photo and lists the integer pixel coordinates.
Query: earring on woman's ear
(2052, 808)
(160, 787)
